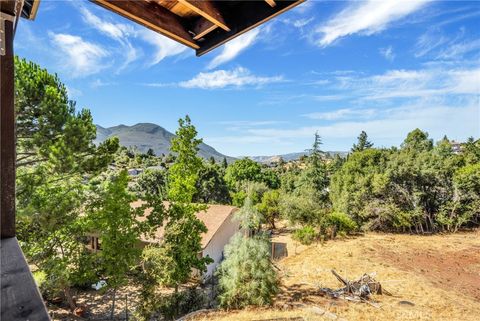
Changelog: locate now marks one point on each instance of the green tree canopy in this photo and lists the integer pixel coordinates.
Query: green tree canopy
(362, 143)
(211, 186)
(242, 170)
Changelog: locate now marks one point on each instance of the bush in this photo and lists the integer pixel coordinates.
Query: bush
(246, 276)
(171, 306)
(341, 223)
(305, 235)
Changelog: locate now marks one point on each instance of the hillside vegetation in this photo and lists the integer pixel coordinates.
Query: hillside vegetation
(145, 136)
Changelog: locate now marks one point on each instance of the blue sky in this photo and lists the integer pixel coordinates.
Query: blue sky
(336, 67)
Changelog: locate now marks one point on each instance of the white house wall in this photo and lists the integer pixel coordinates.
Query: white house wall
(215, 248)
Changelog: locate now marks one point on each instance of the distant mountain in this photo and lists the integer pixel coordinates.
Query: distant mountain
(147, 135)
(289, 157)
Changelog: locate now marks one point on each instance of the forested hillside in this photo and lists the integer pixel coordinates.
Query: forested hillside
(145, 136)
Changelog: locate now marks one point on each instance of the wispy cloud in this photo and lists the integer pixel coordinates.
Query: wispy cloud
(390, 125)
(118, 31)
(298, 23)
(387, 53)
(164, 46)
(81, 58)
(344, 113)
(408, 84)
(238, 77)
(233, 48)
(97, 83)
(365, 18)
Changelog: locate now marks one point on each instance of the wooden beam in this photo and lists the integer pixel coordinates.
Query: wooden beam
(271, 3)
(203, 27)
(243, 16)
(7, 129)
(21, 300)
(152, 16)
(207, 10)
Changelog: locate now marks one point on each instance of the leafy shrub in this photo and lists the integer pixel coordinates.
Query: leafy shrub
(305, 235)
(171, 306)
(341, 223)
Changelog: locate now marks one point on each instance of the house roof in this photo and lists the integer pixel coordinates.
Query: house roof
(199, 24)
(213, 218)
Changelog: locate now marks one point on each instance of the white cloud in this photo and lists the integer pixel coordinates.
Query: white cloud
(392, 125)
(408, 84)
(81, 58)
(165, 47)
(365, 18)
(304, 7)
(233, 48)
(97, 83)
(345, 113)
(117, 31)
(387, 53)
(428, 42)
(73, 93)
(458, 50)
(238, 77)
(300, 23)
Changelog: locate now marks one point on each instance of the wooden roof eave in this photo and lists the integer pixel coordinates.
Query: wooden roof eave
(152, 16)
(201, 25)
(257, 14)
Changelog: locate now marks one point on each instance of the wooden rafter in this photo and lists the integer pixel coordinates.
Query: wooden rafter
(271, 3)
(203, 27)
(152, 16)
(207, 10)
(243, 16)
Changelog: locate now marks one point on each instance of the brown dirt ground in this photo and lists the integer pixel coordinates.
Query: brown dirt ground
(439, 274)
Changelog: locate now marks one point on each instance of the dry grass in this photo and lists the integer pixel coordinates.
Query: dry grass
(440, 274)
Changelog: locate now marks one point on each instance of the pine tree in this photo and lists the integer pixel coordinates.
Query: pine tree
(314, 179)
(224, 163)
(247, 276)
(150, 152)
(363, 143)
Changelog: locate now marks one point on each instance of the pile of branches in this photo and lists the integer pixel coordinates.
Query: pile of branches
(359, 290)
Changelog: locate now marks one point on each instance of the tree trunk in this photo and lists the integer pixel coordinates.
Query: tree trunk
(68, 296)
(113, 304)
(177, 308)
(126, 307)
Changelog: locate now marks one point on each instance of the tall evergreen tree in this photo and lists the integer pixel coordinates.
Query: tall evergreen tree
(362, 143)
(247, 276)
(224, 163)
(55, 155)
(314, 179)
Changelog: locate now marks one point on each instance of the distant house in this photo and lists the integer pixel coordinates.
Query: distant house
(457, 147)
(219, 220)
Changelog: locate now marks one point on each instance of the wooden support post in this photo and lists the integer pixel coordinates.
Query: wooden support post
(7, 133)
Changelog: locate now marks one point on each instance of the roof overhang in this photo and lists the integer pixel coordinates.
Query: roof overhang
(30, 9)
(203, 24)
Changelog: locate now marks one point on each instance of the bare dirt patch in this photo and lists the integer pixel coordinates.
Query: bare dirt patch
(449, 270)
(431, 278)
